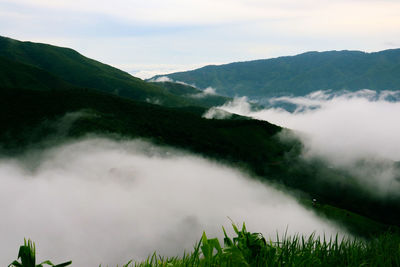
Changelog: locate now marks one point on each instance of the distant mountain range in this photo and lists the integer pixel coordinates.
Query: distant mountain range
(299, 75)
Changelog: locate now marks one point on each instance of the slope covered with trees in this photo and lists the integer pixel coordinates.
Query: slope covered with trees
(40, 108)
(28, 60)
(301, 74)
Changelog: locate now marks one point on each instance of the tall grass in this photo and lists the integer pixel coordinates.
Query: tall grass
(252, 249)
(27, 255)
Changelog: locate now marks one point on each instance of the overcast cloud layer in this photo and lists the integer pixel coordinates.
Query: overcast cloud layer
(159, 36)
(101, 201)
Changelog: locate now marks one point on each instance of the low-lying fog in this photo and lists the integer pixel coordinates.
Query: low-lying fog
(102, 201)
(359, 131)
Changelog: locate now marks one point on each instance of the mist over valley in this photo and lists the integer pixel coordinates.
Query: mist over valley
(356, 131)
(105, 201)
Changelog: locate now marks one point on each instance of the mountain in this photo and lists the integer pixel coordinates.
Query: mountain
(69, 67)
(301, 74)
(18, 75)
(41, 107)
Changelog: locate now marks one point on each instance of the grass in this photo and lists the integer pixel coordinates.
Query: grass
(27, 255)
(252, 249)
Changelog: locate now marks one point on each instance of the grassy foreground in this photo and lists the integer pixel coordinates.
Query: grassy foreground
(252, 249)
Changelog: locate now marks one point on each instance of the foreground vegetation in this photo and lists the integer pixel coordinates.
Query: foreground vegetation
(252, 249)
(27, 256)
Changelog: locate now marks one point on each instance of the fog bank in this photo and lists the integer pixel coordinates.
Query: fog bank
(102, 201)
(348, 129)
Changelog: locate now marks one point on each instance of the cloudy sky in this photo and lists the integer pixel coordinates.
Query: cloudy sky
(160, 36)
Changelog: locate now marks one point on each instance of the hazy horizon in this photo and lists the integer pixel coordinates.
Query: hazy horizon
(159, 37)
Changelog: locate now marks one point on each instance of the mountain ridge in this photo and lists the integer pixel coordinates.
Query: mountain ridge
(79, 71)
(300, 74)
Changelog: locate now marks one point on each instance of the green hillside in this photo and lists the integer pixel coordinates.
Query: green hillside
(301, 74)
(72, 68)
(40, 106)
(17, 75)
(38, 118)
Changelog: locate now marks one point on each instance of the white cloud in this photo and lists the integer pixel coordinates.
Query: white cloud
(356, 131)
(147, 71)
(363, 123)
(101, 201)
(216, 113)
(161, 79)
(146, 74)
(239, 105)
(209, 91)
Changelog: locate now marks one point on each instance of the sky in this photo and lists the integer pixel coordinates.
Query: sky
(162, 36)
